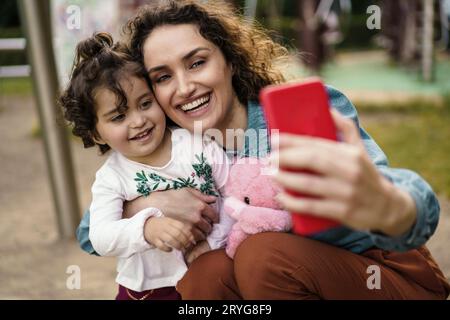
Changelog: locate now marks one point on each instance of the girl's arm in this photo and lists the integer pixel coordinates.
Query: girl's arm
(109, 233)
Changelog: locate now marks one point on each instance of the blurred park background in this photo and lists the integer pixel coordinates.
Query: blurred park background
(391, 58)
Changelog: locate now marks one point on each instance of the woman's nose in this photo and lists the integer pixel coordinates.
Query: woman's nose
(186, 87)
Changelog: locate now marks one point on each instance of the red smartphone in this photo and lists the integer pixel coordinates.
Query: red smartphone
(303, 109)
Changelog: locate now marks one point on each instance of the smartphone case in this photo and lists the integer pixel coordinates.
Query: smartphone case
(303, 109)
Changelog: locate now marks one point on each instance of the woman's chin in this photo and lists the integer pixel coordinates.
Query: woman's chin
(201, 123)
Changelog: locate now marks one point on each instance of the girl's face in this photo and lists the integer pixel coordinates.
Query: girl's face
(191, 78)
(136, 132)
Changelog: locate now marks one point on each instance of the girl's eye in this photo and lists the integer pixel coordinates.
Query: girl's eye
(146, 104)
(118, 118)
(197, 64)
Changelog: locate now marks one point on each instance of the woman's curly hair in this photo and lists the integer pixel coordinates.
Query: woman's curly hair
(99, 63)
(248, 47)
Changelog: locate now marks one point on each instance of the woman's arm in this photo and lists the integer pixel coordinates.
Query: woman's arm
(357, 186)
(187, 205)
(351, 189)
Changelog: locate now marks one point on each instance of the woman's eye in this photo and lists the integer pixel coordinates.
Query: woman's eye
(118, 118)
(162, 78)
(197, 64)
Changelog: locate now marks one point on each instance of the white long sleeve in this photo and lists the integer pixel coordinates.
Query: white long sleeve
(109, 233)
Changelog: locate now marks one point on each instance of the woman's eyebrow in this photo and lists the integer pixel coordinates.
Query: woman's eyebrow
(185, 57)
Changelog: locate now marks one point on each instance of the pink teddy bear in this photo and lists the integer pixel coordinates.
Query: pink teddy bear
(249, 199)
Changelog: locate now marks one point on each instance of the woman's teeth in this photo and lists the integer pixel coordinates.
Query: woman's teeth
(195, 104)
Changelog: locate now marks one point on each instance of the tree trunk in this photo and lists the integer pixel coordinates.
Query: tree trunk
(310, 34)
(427, 40)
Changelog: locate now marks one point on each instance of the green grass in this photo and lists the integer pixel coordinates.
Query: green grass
(417, 140)
(16, 86)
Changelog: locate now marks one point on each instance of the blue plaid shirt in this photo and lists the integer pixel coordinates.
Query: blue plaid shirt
(356, 241)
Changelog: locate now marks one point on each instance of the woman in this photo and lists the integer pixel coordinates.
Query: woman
(207, 65)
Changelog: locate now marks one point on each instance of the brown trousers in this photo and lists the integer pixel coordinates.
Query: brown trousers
(284, 266)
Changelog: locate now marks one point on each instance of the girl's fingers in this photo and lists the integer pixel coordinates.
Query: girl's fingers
(158, 243)
(181, 231)
(176, 238)
(172, 241)
(313, 184)
(331, 209)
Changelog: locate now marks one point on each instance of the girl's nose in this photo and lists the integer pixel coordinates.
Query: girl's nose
(138, 120)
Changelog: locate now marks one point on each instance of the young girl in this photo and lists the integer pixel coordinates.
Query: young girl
(110, 105)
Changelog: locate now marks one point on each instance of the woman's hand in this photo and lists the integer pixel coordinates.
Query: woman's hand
(349, 187)
(186, 205)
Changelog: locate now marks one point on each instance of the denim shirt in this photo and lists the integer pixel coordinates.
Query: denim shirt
(356, 241)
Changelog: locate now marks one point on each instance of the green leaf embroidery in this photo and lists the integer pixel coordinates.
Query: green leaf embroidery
(202, 170)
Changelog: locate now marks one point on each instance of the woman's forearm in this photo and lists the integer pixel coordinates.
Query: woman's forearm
(130, 208)
(186, 205)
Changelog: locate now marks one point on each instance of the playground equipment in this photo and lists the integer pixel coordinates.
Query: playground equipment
(35, 17)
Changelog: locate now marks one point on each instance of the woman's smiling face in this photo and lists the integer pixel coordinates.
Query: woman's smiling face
(192, 80)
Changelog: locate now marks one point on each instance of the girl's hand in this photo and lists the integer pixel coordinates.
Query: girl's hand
(349, 187)
(186, 205)
(196, 251)
(166, 233)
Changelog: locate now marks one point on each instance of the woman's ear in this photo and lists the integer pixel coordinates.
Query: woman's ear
(232, 68)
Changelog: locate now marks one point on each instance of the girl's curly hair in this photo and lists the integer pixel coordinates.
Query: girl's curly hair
(247, 46)
(99, 63)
